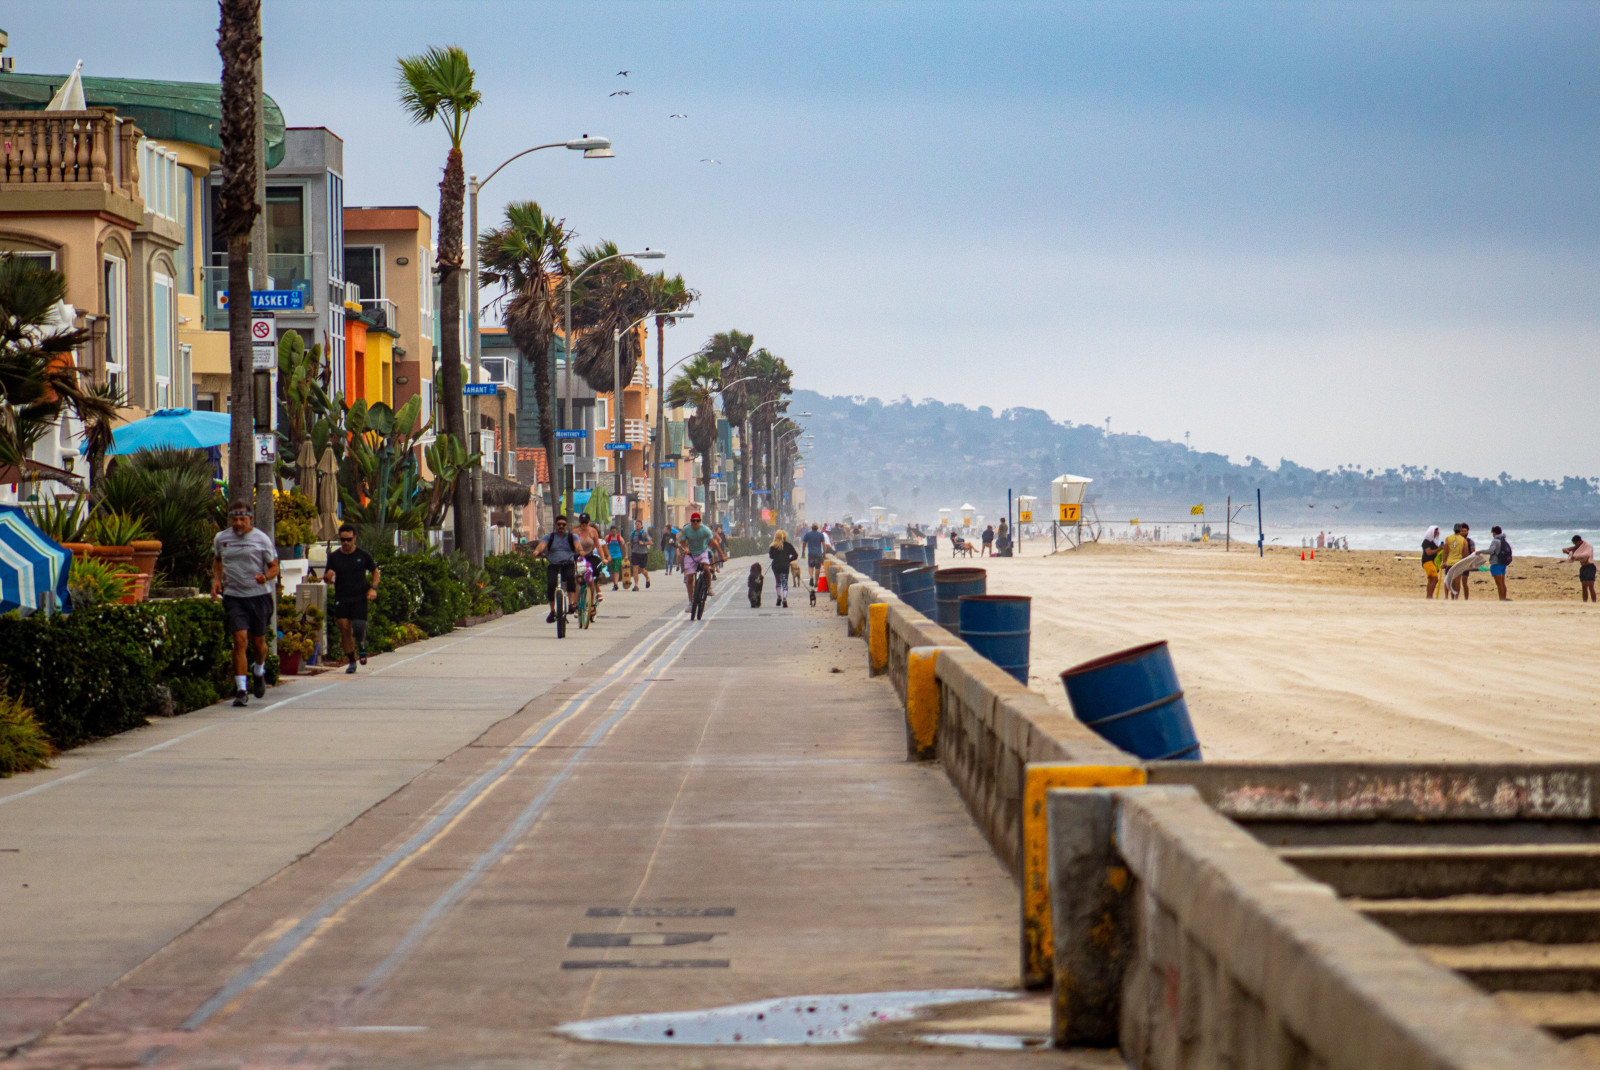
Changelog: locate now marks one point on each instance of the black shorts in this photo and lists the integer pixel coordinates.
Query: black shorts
(813, 562)
(350, 608)
(1586, 573)
(251, 613)
(639, 560)
(565, 574)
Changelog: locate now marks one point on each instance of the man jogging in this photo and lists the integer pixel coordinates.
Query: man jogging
(244, 566)
(695, 541)
(813, 542)
(639, 554)
(560, 549)
(348, 568)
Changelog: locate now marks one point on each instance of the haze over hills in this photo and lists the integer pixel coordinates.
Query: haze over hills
(918, 457)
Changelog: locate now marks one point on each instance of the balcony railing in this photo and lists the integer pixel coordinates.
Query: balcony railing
(382, 311)
(71, 150)
(633, 431)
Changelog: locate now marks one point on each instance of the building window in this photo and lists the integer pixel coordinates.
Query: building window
(336, 228)
(286, 221)
(40, 259)
(114, 277)
(425, 289)
(363, 266)
(602, 407)
(162, 341)
(494, 369)
(336, 348)
(158, 180)
(186, 182)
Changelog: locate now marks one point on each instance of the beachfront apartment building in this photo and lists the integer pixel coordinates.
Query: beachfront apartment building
(114, 195)
(389, 279)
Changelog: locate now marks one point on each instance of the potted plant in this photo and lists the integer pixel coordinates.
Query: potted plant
(297, 634)
(113, 535)
(64, 521)
(93, 582)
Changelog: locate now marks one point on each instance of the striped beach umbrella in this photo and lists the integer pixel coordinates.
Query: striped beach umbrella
(32, 564)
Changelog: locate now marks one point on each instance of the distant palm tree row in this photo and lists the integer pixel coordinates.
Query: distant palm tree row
(529, 256)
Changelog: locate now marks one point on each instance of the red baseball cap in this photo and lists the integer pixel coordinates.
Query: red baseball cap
(694, 516)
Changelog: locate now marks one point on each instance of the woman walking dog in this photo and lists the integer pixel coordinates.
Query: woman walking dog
(783, 555)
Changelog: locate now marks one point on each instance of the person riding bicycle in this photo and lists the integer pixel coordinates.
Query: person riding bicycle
(560, 550)
(589, 540)
(695, 542)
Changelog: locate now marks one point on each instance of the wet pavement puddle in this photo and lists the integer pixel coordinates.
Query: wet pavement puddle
(986, 1041)
(836, 1019)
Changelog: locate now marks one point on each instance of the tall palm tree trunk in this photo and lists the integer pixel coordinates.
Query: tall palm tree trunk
(543, 376)
(239, 42)
(452, 197)
(658, 497)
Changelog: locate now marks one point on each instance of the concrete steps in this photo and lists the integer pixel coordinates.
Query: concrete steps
(1522, 967)
(1565, 1014)
(1566, 918)
(1438, 870)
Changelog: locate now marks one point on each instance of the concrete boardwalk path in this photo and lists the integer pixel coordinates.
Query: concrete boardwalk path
(437, 864)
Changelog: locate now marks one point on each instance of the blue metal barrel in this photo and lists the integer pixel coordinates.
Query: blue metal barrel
(1132, 700)
(996, 626)
(933, 544)
(886, 569)
(916, 590)
(862, 557)
(950, 585)
(841, 546)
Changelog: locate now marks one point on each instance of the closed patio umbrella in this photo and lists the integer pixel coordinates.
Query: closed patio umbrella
(305, 469)
(327, 484)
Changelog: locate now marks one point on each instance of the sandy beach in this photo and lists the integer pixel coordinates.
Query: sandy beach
(1337, 658)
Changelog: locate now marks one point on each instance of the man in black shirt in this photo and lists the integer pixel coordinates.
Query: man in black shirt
(348, 567)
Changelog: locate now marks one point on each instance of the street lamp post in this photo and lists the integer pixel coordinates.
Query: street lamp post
(566, 337)
(658, 497)
(792, 431)
(593, 148)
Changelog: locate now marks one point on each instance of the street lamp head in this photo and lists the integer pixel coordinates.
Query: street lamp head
(678, 316)
(593, 148)
(649, 254)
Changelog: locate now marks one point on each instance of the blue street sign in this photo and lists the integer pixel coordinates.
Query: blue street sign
(481, 389)
(572, 434)
(619, 445)
(667, 464)
(761, 492)
(277, 300)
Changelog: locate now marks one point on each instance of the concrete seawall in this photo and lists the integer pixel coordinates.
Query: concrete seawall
(1161, 920)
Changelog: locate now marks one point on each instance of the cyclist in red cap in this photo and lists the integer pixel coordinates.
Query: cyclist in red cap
(695, 542)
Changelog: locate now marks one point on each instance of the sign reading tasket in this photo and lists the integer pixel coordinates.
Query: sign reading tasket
(269, 300)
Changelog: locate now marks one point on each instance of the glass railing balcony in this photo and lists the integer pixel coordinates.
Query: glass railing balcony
(285, 271)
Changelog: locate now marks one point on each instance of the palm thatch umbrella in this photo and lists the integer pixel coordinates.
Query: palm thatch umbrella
(327, 496)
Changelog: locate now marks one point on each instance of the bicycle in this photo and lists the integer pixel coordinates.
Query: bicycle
(702, 588)
(563, 607)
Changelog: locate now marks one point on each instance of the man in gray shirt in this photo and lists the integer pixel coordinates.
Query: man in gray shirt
(244, 570)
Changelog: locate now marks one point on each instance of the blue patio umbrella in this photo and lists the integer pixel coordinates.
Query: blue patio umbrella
(32, 564)
(175, 429)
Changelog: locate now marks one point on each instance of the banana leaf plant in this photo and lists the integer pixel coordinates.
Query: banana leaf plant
(303, 389)
(447, 458)
(382, 485)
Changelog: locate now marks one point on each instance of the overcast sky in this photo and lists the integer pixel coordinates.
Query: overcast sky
(1339, 233)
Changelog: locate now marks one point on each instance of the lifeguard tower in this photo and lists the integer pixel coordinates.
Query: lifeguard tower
(1071, 518)
(968, 511)
(944, 520)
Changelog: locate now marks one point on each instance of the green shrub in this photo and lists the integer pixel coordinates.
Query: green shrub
(444, 599)
(192, 694)
(92, 582)
(656, 561)
(23, 743)
(743, 547)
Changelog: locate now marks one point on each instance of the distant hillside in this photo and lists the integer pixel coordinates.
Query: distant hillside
(917, 457)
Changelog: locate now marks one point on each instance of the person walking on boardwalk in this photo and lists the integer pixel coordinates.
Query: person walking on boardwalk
(244, 566)
(695, 542)
(815, 542)
(1431, 540)
(616, 551)
(1499, 560)
(782, 554)
(348, 568)
(669, 547)
(1583, 553)
(639, 554)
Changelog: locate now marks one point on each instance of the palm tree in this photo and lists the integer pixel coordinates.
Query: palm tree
(771, 385)
(239, 42)
(37, 377)
(731, 350)
(696, 385)
(97, 408)
(438, 84)
(609, 298)
(668, 295)
(527, 255)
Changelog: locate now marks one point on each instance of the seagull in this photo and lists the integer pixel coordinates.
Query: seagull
(678, 115)
(622, 93)
(710, 160)
(623, 74)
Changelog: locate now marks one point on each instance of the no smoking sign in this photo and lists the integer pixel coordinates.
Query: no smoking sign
(261, 330)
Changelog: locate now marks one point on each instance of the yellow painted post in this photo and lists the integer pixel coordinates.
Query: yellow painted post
(840, 586)
(878, 638)
(923, 702)
(1038, 938)
(830, 569)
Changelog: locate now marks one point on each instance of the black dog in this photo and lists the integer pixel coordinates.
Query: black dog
(757, 580)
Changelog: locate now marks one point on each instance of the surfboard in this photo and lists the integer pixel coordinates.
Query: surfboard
(1460, 568)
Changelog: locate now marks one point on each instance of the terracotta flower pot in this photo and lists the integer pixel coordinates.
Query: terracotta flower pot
(145, 553)
(289, 663)
(113, 555)
(80, 550)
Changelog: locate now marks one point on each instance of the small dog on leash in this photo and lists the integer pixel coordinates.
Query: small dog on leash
(757, 581)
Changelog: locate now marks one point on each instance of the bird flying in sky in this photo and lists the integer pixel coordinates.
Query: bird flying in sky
(678, 115)
(623, 74)
(709, 160)
(622, 93)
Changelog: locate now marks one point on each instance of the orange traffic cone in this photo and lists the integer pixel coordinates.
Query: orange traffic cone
(1313, 555)
(822, 583)
(1302, 555)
